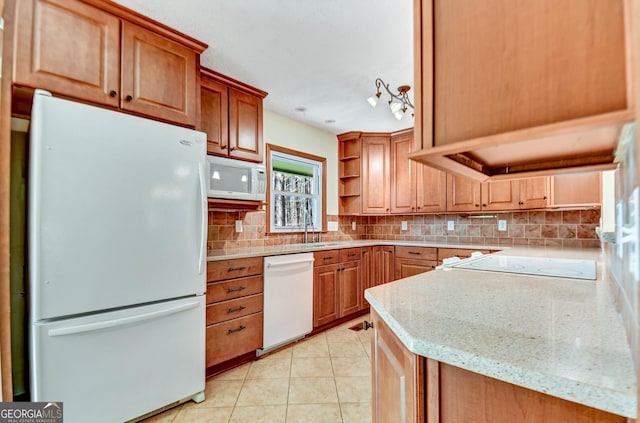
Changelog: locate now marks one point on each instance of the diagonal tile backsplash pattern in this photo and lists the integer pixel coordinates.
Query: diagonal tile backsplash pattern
(567, 228)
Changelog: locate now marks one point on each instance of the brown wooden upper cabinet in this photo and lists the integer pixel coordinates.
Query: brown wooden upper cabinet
(231, 115)
(375, 173)
(520, 86)
(465, 194)
(576, 189)
(415, 188)
(100, 52)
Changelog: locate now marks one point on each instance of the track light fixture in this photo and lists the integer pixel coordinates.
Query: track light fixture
(398, 103)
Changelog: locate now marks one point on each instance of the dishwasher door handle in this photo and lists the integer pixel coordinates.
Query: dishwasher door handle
(285, 263)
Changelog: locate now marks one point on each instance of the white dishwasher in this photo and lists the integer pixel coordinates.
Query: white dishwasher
(288, 299)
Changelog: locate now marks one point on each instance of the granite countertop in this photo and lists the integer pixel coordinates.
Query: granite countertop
(232, 253)
(559, 336)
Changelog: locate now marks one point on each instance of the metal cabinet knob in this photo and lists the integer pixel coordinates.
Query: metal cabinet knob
(128, 98)
(112, 93)
(366, 325)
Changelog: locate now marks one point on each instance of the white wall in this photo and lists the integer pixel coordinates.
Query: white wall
(289, 133)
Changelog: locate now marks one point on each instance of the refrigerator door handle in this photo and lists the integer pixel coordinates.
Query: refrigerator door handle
(92, 327)
(203, 218)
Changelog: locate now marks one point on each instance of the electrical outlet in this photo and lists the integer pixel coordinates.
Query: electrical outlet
(353, 226)
(450, 225)
(502, 225)
(403, 225)
(238, 225)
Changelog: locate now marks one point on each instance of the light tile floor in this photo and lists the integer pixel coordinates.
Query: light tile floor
(325, 379)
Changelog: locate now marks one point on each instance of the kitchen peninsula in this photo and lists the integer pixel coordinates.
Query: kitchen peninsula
(456, 344)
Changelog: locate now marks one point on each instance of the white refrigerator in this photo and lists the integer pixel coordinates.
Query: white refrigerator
(117, 242)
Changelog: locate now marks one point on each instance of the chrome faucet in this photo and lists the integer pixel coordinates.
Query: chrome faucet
(306, 224)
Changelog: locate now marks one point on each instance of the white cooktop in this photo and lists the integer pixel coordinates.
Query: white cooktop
(542, 266)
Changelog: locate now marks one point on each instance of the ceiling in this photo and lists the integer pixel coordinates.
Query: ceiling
(321, 55)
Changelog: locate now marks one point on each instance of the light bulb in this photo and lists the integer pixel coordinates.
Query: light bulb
(395, 106)
(373, 100)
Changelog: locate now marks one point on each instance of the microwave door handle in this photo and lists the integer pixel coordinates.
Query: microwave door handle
(203, 217)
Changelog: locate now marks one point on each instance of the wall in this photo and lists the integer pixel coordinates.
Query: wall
(285, 132)
(570, 229)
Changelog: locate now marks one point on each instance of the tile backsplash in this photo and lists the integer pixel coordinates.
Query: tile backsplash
(573, 228)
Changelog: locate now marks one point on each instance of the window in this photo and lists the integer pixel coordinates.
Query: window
(296, 191)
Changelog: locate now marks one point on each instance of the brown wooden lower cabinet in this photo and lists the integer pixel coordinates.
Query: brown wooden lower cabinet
(325, 294)
(412, 388)
(234, 309)
(411, 261)
(384, 264)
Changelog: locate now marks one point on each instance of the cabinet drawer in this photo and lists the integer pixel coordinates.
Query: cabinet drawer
(417, 253)
(227, 269)
(232, 309)
(233, 338)
(349, 254)
(234, 288)
(326, 257)
(444, 253)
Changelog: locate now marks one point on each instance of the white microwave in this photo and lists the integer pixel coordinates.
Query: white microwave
(235, 179)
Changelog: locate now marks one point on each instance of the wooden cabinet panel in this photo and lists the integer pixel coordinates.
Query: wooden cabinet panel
(367, 273)
(576, 189)
(384, 262)
(500, 195)
(467, 396)
(325, 294)
(233, 288)
(403, 175)
(214, 115)
(542, 56)
(349, 254)
(231, 309)
(463, 194)
(408, 267)
(375, 174)
(326, 257)
(534, 193)
(350, 288)
(158, 76)
(245, 126)
(416, 253)
(227, 269)
(232, 338)
(431, 189)
(69, 48)
(398, 381)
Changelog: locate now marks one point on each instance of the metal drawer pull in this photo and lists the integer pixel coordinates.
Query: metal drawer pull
(233, 310)
(240, 288)
(230, 331)
(414, 252)
(351, 254)
(366, 325)
(231, 269)
(327, 258)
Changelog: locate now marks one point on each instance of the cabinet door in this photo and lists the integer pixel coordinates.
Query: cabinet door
(245, 126)
(350, 291)
(409, 267)
(463, 194)
(325, 294)
(158, 76)
(375, 174)
(398, 378)
(576, 189)
(534, 193)
(431, 189)
(214, 116)
(403, 175)
(501, 195)
(69, 48)
(367, 271)
(387, 264)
